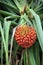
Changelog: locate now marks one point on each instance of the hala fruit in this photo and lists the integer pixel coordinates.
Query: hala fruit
(25, 36)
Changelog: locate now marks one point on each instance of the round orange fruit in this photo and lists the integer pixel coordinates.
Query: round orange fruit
(25, 36)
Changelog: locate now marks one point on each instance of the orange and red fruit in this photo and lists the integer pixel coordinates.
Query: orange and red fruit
(25, 36)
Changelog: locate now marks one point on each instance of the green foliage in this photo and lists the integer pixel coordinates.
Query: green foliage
(12, 14)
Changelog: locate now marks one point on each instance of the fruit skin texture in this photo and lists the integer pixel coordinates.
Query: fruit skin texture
(25, 36)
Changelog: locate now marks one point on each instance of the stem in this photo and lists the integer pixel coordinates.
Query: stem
(21, 58)
(11, 48)
(12, 43)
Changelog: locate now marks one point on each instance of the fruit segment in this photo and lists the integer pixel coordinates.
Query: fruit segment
(25, 36)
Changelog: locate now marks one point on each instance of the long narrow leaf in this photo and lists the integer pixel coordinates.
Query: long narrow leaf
(2, 53)
(6, 13)
(3, 39)
(31, 57)
(37, 25)
(6, 32)
(37, 53)
(42, 58)
(8, 5)
(25, 57)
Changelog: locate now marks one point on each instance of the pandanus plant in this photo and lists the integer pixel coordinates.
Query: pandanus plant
(21, 30)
